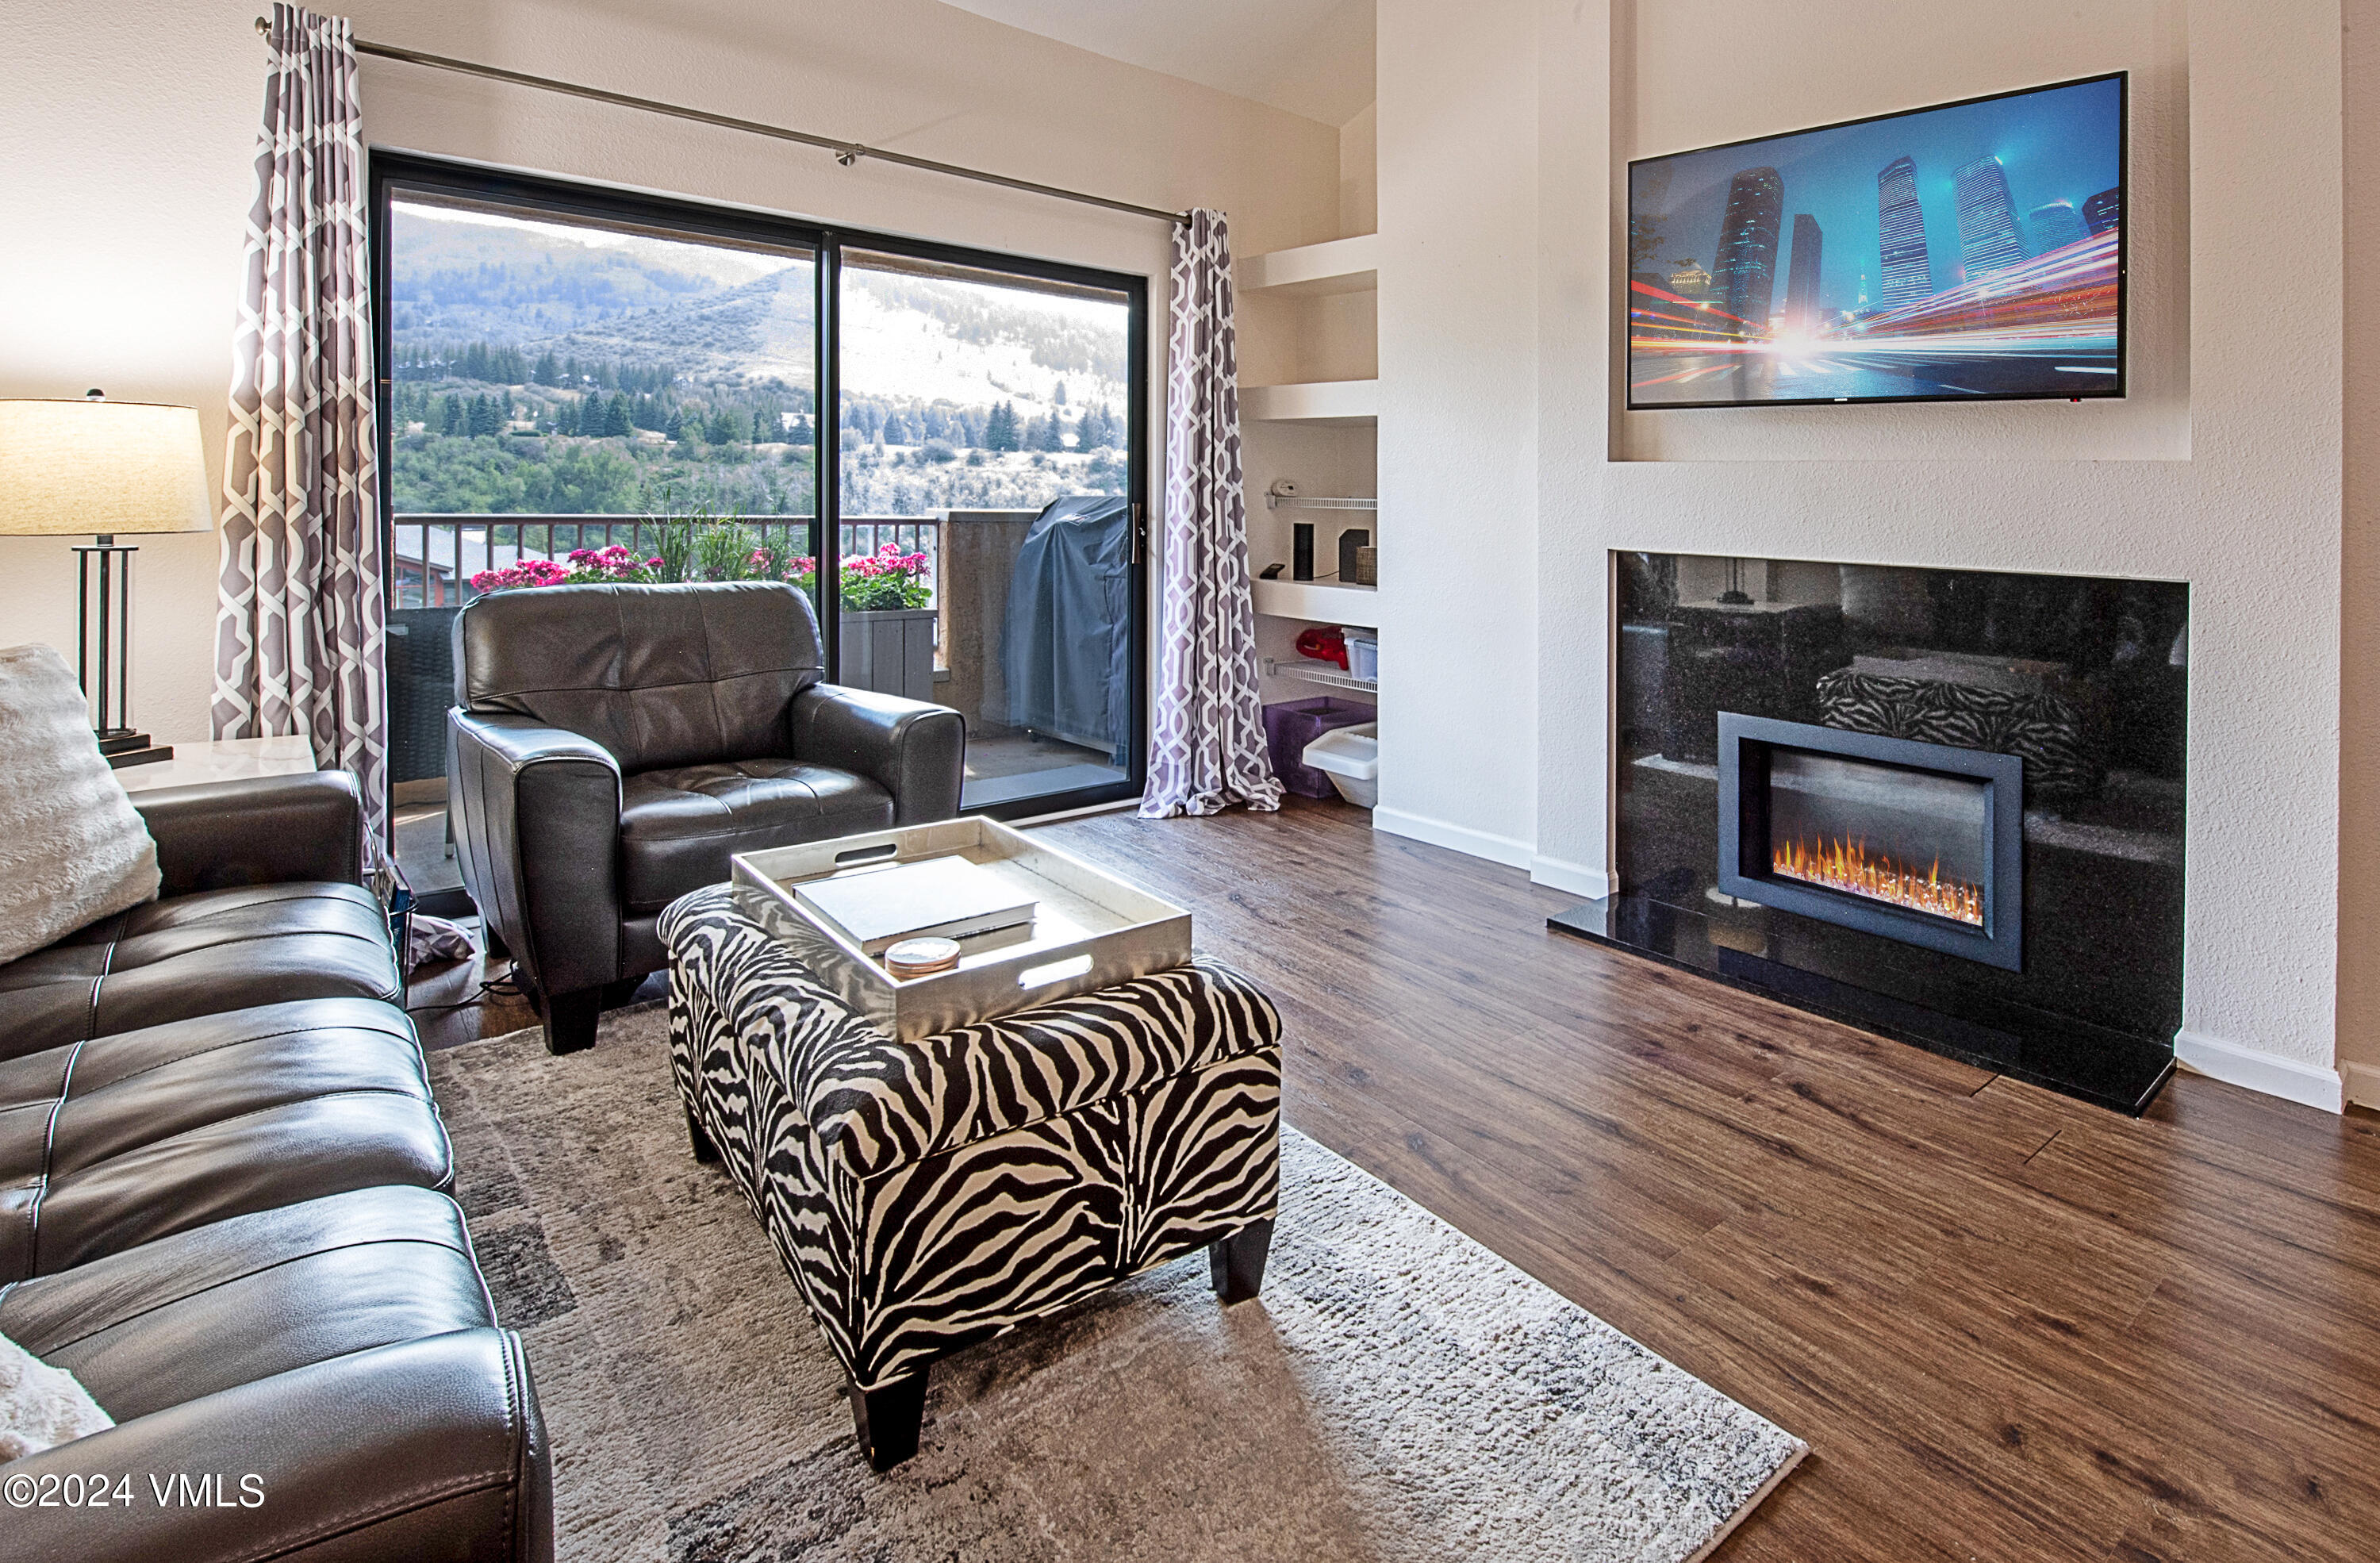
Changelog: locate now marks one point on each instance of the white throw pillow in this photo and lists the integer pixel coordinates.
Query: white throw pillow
(41, 1406)
(72, 847)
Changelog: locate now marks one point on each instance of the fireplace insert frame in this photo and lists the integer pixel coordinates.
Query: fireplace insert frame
(1745, 745)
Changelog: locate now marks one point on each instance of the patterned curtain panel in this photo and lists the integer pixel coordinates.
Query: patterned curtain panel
(1206, 749)
(299, 625)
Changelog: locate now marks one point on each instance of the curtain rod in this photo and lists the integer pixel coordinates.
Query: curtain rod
(845, 153)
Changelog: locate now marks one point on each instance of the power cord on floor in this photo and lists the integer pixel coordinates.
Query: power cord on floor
(508, 986)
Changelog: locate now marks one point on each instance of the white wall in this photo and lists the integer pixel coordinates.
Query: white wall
(2358, 818)
(2239, 492)
(1458, 430)
(128, 147)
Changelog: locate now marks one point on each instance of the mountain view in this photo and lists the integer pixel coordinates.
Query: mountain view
(544, 367)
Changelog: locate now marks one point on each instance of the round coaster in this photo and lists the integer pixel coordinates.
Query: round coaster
(921, 957)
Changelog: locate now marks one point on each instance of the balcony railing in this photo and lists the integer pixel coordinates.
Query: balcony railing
(434, 557)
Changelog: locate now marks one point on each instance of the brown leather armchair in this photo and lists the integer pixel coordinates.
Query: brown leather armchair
(610, 747)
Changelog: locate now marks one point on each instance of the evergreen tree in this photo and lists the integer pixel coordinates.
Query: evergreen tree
(1000, 429)
(720, 430)
(548, 370)
(1047, 434)
(616, 422)
(1060, 397)
(676, 427)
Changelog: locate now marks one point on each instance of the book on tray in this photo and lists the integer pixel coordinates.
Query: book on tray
(938, 897)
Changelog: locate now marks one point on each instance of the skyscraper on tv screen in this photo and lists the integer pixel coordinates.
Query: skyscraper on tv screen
(1900, 236)
(2054, 226)
(1988, 240)
(2103, 211)
(1747, 275)
(1802, 312)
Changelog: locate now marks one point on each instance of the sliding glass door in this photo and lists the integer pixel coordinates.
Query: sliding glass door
(998, 405)
(941, 446)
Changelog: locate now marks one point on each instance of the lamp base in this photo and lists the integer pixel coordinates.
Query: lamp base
(122, 746)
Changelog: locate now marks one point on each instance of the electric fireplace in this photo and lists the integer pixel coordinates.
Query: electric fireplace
(1920, 843)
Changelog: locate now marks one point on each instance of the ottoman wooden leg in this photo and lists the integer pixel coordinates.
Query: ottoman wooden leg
(704, 1151)
(1238, 1262)
(887, 1419)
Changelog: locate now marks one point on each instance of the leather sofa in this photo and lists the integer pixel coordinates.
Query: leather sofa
(611, 747)
(224, 1208)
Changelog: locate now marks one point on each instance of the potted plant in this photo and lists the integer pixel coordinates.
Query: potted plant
(586, 567)
(887, 621)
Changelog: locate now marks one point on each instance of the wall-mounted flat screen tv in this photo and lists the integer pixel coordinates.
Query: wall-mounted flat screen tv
(1969, 252)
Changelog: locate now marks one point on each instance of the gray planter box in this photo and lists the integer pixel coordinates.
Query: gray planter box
(891, 651)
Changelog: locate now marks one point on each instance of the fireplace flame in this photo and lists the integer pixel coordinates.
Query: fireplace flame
(1845, 865)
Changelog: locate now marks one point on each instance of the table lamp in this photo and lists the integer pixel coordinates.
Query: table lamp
(106, 469)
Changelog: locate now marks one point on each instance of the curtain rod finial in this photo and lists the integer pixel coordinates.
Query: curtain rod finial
(262, 27)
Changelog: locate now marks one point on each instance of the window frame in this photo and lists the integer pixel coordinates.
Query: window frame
(394, 173)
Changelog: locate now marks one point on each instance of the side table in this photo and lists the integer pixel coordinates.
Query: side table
(225, 759)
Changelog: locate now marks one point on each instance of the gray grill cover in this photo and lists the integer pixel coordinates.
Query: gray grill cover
(1066, 645)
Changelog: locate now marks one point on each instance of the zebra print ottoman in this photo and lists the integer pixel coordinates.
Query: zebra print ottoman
(926, 1195)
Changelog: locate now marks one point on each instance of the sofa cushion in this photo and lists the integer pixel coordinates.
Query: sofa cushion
(198, 954)
(678, 827)
(243, 1299)
(125, 1139)
(72, 849)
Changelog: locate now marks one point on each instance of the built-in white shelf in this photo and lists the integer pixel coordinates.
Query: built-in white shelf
(1323, 602)
(1346, 404)
(1347, 265)
(1323, 673)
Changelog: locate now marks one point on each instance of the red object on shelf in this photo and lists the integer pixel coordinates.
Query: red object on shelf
(1324, 643)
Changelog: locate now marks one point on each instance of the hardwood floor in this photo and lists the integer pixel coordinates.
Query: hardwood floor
(2010, 1325)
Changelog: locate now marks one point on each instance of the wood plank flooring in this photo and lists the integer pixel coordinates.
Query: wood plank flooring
(2010, 1325)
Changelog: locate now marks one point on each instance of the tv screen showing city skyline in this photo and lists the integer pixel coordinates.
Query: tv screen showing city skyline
(1969, 250)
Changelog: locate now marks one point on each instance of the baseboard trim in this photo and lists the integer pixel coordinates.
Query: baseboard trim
(2360, 1083)
(1460, 838)
(1575, 877)
(2308, 1085)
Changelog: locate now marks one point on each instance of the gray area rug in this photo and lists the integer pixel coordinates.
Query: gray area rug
(1398, 1393)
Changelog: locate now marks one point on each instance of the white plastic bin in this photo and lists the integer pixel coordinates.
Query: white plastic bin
(1363, 655)
(1351, 758)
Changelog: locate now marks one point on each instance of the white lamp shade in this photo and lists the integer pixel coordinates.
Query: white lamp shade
(101, 468)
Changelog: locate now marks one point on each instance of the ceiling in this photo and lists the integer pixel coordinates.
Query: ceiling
(1312, 57)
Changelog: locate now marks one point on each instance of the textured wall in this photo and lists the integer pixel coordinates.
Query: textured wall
(128, 150)
(2358, 813)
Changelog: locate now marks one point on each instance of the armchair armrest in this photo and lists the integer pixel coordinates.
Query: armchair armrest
(426, 1448)
(258, 830)
(536, 811)
(913, 749)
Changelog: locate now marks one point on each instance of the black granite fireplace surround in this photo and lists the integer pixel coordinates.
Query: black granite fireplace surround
(2022, 736)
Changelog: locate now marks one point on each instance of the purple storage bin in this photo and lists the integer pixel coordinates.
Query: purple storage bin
(1293, 724)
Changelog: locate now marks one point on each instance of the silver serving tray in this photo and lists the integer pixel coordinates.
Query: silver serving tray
(1091, 930)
